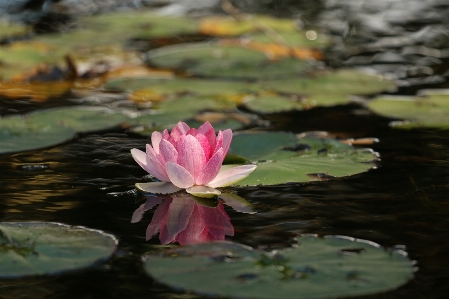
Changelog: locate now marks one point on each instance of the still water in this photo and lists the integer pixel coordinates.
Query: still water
(89, 181)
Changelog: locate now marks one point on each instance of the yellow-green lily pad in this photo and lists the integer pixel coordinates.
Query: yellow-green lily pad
(430, 111)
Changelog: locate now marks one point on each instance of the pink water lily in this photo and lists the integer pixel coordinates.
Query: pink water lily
(190, 159)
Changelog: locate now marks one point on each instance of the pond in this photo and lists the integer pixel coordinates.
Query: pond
(83, 173)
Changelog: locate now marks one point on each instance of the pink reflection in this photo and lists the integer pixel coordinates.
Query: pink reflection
(179, 218)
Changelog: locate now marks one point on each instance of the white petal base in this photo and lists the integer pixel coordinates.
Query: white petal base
(157, 187)
(203, 191)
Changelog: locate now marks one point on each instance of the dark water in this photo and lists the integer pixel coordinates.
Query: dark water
(90, 181)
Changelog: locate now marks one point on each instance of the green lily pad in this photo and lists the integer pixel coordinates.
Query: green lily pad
(10, 29)
(18, 134)
(329, 267)
(168, 113)
(303, 39)
(431, 111)
(40, 248)
(82, 119)
(212, 60)
(181, 86)
(283, 157)
(321, 89)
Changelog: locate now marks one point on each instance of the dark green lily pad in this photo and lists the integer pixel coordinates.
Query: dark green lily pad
(329, 267)
(226, 62)
(40, 248)
(18, 134)
(82, 119)
(431, 111)
(283, 157)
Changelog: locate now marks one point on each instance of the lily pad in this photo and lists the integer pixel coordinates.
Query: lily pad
(205, 59)
(329, 267)
(229, 26)
(10, 29)
(168, 113)
(82, 119)
(283, 157)
(180, 86)
(431, 111)
(325, 89)
(40, 248)
(18, 134)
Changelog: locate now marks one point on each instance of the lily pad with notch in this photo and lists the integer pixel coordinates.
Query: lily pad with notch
(284, 157)
(329, 267)
(46, 248)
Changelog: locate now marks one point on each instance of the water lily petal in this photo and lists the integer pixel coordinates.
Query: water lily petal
(225, 221)
(157, 187)
(155, 165)
(195, 231)
(231, 176)
(204, 142)
(159, 218)
(207, 130)
(140, 157)
(227, 138)
(203, 191)
(179, 176)
(179, 130)
(191, 155)
(179, 214)
(156, 138)
(211, 169)
(149, 204)
(192, 132)
(168, 152)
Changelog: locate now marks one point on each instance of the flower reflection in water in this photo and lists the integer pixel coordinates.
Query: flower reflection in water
(186, 219)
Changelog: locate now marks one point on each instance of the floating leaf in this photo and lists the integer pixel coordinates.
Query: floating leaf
(38, 91)
(431, 111)
(329, 267)
(18, 134)
(180, 86)
(38, 248)
(226, 62)
(10, 29)
(328, 88)
(227, 26)
(80, 118)
(169, 113)
(282, 157)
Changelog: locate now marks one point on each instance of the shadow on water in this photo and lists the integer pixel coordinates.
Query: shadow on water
(89, 182)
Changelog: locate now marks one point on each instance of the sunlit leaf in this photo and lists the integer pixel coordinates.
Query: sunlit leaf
(38, 91)
(229, 26)
(282, 158)
(431, 111)
(40, 248)
(330, 267)
(17, 134)
(79, 118)
(211, 60)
